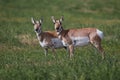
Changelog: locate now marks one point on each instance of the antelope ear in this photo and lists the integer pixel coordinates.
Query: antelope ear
(61, 19)
(33, 21)
(53, 19)
(41, 20)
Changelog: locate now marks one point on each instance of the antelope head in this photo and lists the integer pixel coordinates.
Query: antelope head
(57, 24)
(37, 25)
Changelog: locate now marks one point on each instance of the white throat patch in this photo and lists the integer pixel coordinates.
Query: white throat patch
(60, 30)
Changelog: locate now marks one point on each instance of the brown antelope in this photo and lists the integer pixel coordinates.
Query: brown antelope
(78, 37)
(47, 39)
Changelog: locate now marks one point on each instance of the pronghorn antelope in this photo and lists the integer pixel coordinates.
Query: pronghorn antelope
(78, 37)
(47, 39)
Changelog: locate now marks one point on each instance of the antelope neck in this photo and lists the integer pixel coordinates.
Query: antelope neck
(61, 29)
(39, 33)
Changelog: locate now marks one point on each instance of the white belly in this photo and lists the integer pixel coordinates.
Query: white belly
(57, 43)
(80, 41)
(77, 41)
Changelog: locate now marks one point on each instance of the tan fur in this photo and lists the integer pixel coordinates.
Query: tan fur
(48, 35)
(66, 35)
(46, 38)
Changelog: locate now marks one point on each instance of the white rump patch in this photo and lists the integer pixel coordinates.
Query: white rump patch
(100, 34)
(80, 41)
(57, 43)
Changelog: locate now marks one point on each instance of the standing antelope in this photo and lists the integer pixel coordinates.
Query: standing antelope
(78, 37)
(47, 39)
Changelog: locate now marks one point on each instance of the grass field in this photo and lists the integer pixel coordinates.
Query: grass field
(22, 58)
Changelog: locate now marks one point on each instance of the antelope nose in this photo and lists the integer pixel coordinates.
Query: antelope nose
(57, 29)
(36, 29)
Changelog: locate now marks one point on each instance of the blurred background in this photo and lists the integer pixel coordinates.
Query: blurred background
(21, 56)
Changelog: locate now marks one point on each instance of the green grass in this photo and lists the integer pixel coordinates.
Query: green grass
(21, 57)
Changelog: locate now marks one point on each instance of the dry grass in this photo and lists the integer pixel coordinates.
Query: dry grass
(85, 10)
(5, 47)
(27, 39)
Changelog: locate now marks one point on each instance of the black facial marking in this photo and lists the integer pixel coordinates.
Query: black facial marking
(36, 29)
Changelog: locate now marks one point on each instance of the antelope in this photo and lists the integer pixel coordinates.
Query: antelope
(78, 37)
(47, 39)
